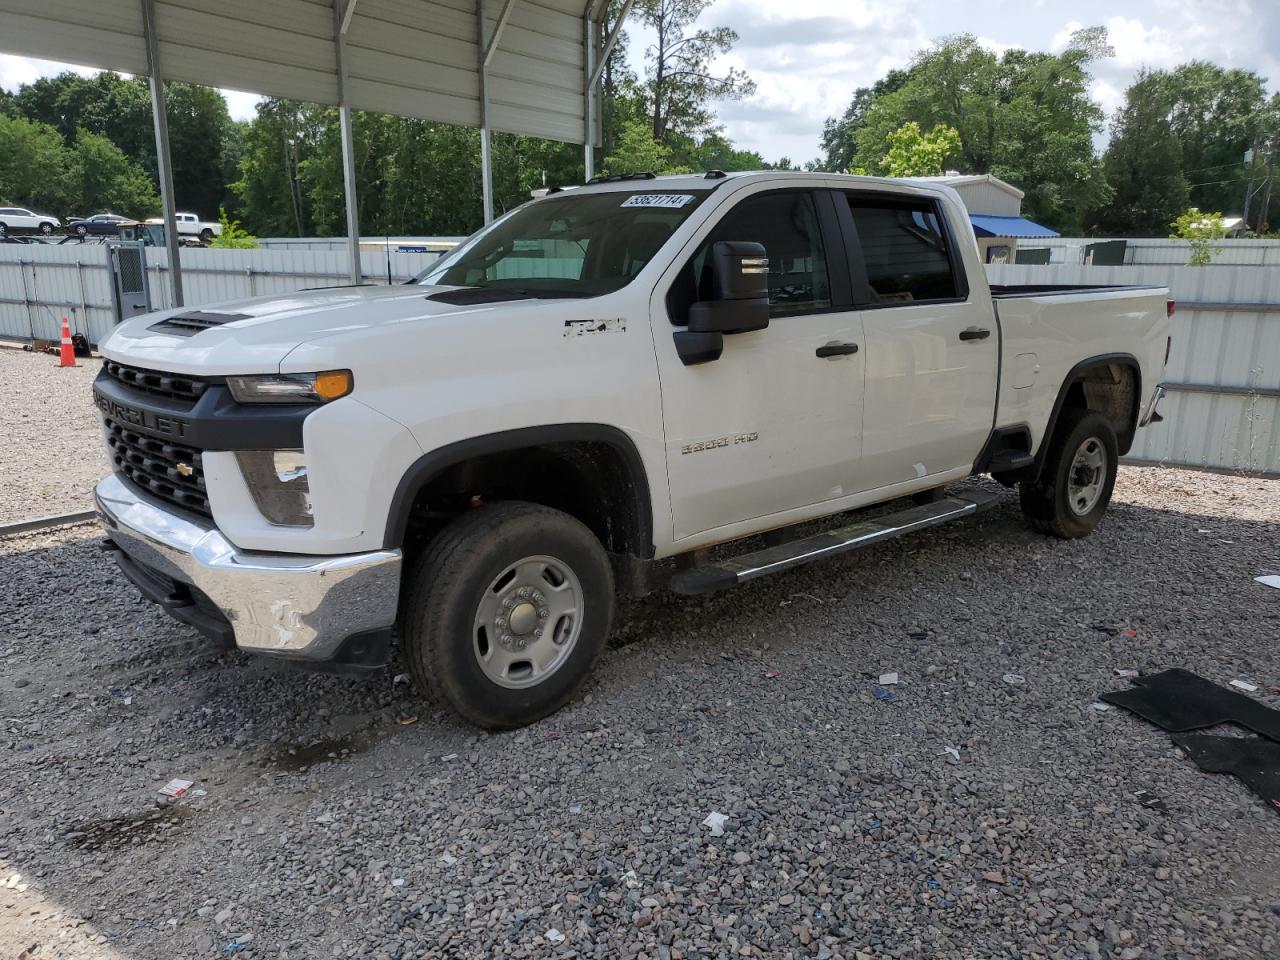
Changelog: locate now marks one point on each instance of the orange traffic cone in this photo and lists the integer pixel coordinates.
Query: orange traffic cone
(67, 355)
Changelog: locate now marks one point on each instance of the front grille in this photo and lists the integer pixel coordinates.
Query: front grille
(152, 464)
(172, 386)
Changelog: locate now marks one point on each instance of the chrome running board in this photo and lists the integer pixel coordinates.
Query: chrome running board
(724, 574)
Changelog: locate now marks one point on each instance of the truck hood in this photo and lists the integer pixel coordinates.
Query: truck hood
(268, 328)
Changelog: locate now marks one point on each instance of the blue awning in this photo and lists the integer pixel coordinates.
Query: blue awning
(988, 226)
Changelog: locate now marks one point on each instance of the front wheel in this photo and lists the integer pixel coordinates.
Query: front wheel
(1073, 490)
(506, 612)
(81, 231)
(206, 235)
(46, 228)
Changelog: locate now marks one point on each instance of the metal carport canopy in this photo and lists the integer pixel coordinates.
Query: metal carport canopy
(519, 66)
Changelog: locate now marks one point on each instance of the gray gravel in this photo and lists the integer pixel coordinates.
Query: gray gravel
(52, 454)
(329, 828)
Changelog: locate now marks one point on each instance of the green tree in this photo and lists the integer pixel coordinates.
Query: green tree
(638, 152)
(232, 237)
(1143, 166)
(680, 83)
(1201, 230)
(1024, 117)
(839, 134)
(916, 154)
(119, 108)
(108, 180)
(1215, 114)
(35, 168)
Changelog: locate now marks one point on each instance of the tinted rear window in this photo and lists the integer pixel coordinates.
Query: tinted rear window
(905, 249)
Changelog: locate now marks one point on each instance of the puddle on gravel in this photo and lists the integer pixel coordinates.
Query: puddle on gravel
(132, 829)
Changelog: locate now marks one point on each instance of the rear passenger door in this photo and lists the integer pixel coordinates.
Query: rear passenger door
(931, 351)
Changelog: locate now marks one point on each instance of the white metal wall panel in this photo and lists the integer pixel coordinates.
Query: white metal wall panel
(1172, 253)
(1211, 347)
(101, 33)
(416, 58)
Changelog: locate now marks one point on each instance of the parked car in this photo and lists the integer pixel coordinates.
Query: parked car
(100, 224)
(19, 219)
(599, 381)
(189, 225)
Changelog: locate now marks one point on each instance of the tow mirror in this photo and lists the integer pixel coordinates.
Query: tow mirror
(740, 283)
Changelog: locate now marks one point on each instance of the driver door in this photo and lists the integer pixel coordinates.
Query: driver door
(774, 424)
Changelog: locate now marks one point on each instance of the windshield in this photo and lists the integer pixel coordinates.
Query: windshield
(581, 245)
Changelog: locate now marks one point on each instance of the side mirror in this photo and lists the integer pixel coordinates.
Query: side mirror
(740, 280)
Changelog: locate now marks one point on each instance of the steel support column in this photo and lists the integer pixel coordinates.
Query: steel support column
(589, 100)
(486, 154)
(341, 21)
(164, 164)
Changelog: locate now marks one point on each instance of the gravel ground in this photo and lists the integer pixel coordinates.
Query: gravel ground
(331, 826)
(47, 413)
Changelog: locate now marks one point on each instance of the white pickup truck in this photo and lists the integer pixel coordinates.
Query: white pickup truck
(189, 225)
(602, 380)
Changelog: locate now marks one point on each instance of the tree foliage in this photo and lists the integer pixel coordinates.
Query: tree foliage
(119, 109)
(916, 154)
(1025, 117)
(680, 83)
(1143, 167)
(1201, 230)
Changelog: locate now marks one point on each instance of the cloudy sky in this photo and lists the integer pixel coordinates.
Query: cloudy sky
(807, 56)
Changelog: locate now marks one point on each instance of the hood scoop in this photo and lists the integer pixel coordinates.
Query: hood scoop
(468, 296)
(191, 323)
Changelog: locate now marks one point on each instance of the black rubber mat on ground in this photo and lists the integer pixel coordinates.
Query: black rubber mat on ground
(1179, 701)
(1252, 760)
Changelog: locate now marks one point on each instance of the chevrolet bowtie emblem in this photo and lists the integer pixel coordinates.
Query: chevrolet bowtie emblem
(186, 469)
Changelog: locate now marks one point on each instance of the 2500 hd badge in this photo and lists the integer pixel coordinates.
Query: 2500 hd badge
(145, 419)
(719, 442)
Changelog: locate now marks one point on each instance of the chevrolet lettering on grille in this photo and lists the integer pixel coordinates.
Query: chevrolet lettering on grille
(143, 419)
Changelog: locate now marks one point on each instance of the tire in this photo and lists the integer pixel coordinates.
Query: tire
(1074, 488)
(81, 231)
(4, 230)
(206, 235)
(46, 228)
(458, 589)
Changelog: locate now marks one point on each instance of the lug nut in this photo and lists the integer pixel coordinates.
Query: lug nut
(538, 632)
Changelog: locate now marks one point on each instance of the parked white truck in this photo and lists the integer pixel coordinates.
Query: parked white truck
(599, 381)
(189, 225)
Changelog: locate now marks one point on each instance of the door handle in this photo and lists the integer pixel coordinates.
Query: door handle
(975, 333)
(836, 349)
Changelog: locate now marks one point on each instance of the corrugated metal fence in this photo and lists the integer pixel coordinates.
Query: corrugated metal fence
(1223, 407)
(41, 283)
(1167, 253)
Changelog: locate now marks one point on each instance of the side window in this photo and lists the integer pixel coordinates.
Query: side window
(787, 224)
(905, 249)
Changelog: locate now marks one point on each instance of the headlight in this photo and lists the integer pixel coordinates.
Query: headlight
(278, 481)
(291, 387)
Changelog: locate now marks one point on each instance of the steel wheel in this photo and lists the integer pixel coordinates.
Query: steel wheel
(1087, 476)
(527, 622)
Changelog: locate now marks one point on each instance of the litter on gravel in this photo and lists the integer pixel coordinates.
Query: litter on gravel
(1014, 679)
(715, 820)
(1270, 580)
(888, 679)
(954, 751)
(1245, 685)
(176, 787)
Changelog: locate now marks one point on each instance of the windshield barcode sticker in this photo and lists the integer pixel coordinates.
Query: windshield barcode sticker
(668, 200)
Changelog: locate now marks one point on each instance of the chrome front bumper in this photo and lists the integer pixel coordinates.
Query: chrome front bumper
(284, 605)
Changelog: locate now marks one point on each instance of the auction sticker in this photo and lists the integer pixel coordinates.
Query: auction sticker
(665, 200)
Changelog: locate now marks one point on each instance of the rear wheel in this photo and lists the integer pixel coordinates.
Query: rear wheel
(506, 612)
(1074, 488)
(81, 230)
(206, 235)
(4, 230)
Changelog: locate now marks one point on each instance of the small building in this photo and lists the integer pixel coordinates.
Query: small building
(995, 210)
